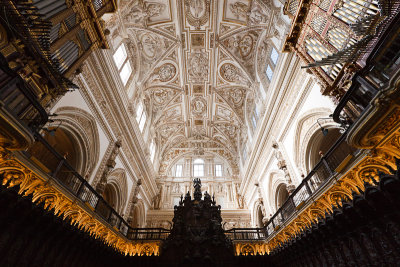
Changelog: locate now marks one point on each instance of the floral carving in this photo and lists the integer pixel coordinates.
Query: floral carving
(231, 73)
(162, 96)
(139, 14)
(198, 67)
(197, 12)
(165, 73)
(199, 106)
(239, 9)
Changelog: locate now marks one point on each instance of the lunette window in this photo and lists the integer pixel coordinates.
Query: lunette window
(218, 170)
(198, 168)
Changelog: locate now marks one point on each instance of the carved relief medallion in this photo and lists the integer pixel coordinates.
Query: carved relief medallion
(197, 12)
(198, 67)
(166, 72)
(139, 14)
(246, 45)
(236, 95)
(199, 106)
(230, 73)
(162, 96)
(149, 45)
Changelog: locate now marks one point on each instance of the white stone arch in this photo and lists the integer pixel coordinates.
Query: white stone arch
(306, 129)
(117, 181)
(82, 128)
(139, 215)
(258, 213)
(281, 194)
(190, 154)
(275, 179)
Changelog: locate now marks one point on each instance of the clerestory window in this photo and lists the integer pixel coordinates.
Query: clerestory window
(141, 116)
(123, 64)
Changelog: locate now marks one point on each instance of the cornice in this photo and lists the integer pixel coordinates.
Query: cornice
(270, 122)
(118, 117)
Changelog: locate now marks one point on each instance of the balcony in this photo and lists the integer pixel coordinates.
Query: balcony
(46, 158)
(20, 111)
(374, 81)
(246, 234)
(319, 178)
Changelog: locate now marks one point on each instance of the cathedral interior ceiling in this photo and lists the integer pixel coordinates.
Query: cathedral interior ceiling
(195, 64)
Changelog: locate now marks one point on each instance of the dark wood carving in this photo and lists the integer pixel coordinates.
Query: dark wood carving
(197, 236)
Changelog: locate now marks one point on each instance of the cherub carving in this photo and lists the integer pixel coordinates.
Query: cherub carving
(139, 14)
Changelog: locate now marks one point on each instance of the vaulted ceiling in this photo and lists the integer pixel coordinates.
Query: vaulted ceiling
(196, 65)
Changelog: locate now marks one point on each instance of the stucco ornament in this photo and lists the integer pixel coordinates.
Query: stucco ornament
(199, 106)
(197, 12)
(198, 67)
(139, 14)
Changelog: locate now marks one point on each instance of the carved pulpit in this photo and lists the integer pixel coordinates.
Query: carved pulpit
(197, 236)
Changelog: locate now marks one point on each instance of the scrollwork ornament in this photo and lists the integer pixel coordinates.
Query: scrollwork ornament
(197, 12)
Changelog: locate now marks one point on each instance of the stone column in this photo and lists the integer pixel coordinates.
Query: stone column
(157, 198)
(229, 189)
(282, 165)
(209, 166)
(134, 201)
(101, 185)
(163, 195)
(187, 167)
(261, 201)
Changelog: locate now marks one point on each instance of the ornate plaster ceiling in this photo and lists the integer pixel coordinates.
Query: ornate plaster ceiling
(196, 67)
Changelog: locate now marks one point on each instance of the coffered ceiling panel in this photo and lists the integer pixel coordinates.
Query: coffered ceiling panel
(197, 63)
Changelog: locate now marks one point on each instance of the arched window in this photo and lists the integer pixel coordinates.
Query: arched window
(244, 153)
(198, 168)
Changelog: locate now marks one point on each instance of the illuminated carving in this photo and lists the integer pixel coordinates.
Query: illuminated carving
(15, 173)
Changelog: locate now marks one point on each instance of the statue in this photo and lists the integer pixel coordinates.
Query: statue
(282, 165)
(157, 199)
(197, 188)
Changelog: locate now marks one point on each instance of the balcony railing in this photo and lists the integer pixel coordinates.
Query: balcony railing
(246, 234)
(382, 63)
(74, 182)
(68, 177)
(325, 169)
(148, 234)
(18, 100)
